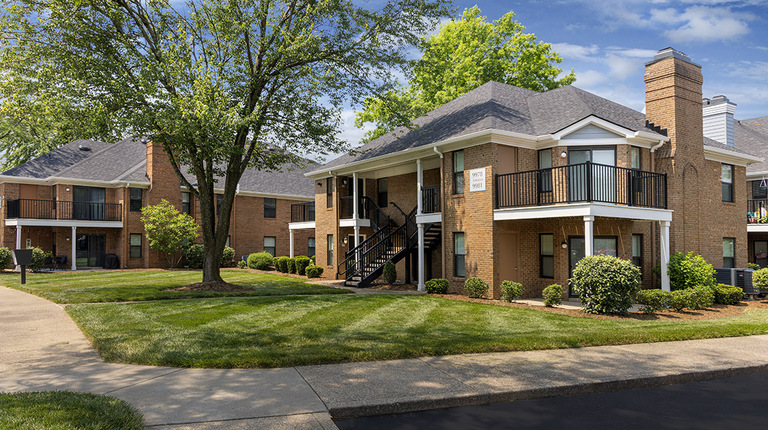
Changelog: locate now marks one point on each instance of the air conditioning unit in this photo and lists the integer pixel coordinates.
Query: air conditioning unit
(741, 278)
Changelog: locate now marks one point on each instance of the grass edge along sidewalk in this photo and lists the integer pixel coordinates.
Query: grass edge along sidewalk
(323, 329)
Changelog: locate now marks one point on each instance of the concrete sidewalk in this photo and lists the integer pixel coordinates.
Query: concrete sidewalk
(42, 349)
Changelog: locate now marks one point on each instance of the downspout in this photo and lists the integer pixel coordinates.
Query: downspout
(438, 152)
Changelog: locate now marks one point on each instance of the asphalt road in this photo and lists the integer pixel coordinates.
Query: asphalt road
(739, 402)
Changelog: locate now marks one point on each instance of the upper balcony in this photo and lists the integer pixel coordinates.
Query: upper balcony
(583, 185)
(303, 212)
(63, 210)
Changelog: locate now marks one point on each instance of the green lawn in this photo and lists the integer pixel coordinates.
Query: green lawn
(60, 410)
(133, 285)
(296, 330)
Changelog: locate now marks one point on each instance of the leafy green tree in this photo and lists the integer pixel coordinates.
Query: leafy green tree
(465, 54)
(223, 85)
(168, 230)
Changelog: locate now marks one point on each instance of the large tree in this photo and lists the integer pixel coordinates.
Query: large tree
(463, 55)
(223, 85)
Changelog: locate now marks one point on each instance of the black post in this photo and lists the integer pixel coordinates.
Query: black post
(23, 274)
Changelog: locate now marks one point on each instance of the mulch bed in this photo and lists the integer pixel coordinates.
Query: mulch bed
(383, 286)
(716, 311)
(219, 286)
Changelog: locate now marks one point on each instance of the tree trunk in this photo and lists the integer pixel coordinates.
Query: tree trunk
(211, 262)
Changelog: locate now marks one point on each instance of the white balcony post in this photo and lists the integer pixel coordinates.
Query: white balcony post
(419, 181)
(18, 237)
(290, 231)
(589, 236)
(664, 255)
(74, 248)
(355, 197)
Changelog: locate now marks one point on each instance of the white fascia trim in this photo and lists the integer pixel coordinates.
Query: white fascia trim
(28, 222)
(609, 126)
(55, 180)
(432, 218)
(751, 176)
(255, 194)
(583, 209)
(757, 228)
(730, 157)
(301, 225)
(361, 222)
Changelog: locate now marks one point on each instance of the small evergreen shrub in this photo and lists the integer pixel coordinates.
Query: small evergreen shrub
(753, 266)
(281, 264)
(38, 259)
(194, 255)
(679, 300)
(437, 286)
(227, 256)
(6, 258)
(390, 272)
(260, 260)
(242, 264)
(689, 270)
(760, 279)
(313, 271)
(606, 284)
(701, 297)
(728, 295)
(653, 301)
(291, 263)
(301, 264)
(476, 287)
(553, 295)
(511, 291)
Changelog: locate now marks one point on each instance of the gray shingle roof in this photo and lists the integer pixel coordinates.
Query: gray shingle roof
(125, 161)
(752, 137)
(502, 107)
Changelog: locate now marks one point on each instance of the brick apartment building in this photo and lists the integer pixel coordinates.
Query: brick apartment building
(83, 201)
(505, 183)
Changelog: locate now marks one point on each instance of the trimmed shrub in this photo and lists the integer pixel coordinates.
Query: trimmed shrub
(227, 256)
(701, 297)
(437, 286)
(301, 264)
(242, 264)
(553, 295)
(689, 270)
(728, 294)
(606, 284)
(679, 300)
(194, 255)
(390, 272)
(511, 291)
(291, 264)
(476, 287)
(38, 259)
(6, 258)
(653, 300)
(313, 271)
(281, 264)
(260, 260)
(753, 266)
(760, 279)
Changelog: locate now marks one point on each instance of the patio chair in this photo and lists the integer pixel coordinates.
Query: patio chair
(61, 262)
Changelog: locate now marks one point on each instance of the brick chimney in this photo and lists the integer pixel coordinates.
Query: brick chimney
(718, 119)
(673, 101)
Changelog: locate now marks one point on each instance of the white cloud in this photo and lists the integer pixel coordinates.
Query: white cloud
(590, 79)
(570, 51)
(703, 24)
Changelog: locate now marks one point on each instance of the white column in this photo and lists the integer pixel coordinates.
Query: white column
(421, 262)
(664, 255)
(355, 214)
(419, 181)
(589, 235)
(74, 248)
(290, 231)
(18, 237)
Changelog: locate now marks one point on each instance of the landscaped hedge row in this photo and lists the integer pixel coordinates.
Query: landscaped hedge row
(195, 254)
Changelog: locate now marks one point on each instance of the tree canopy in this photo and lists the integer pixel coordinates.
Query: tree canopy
(223, 85)
(463, 55)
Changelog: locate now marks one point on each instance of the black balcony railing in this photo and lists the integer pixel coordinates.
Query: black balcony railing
(585, 182)
(757, 211)
(430, 199)
(301, 212)
(57, 209)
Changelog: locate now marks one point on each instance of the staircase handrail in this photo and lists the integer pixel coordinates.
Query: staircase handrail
(377, 215)
(381, 233)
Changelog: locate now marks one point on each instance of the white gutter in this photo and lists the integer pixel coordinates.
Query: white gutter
(438, 152)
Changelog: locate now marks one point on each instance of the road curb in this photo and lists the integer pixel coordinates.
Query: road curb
(568, 390)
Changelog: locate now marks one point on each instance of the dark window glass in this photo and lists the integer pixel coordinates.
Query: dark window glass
(637, 250)
(383, 197)
(759, 192)
(270, 244)
(329, 192)
(135, 199)
(135, 245)
(458, 172)
(726, 178)
(545, 165)
(729, 245)
(219, 198)
(186, 203)
(270, 208)
(459, 255)
(329, 240)
(311, 247)
(761, 252)
(546, 255)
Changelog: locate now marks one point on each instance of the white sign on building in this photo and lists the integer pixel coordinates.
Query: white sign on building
(477, 180)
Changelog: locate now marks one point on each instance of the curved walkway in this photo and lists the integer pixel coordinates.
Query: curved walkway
(42, 349)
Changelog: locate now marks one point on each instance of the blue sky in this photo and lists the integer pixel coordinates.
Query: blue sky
(607, 43)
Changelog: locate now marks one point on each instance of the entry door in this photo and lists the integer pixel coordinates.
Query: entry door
(90, 250)
(507, 267)
(351, 244)
(575, 254)
(761, 252)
